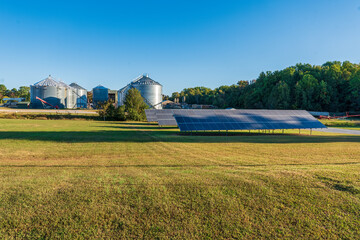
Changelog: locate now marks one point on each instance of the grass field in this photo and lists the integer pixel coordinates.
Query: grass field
(50, 115)
(62, 179)
(353, 124)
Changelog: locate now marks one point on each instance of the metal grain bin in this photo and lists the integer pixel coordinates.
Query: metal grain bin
(70, 97)
(100, 95)
(50, 91)
(149, 89)
(122, 94)
(81, 95)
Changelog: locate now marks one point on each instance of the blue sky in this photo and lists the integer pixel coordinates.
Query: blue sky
(178, 43)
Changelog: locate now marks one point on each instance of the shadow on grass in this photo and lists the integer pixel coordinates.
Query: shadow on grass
(136, 123)
(147, 126)
(163, 135)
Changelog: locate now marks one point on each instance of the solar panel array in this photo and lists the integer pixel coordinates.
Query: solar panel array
(164, 117)
(151, 115)
(220, 119)
(208, 120)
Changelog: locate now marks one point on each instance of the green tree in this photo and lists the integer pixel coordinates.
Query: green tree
(135, 105)
(24, 92)
(111, 113)
(175, 95)
(324, 96)
(243, 83)
(107, 110)
(13, 93)
(3, 90)
(279, 97)
(355, 91)
(120, 114)
(306, 93)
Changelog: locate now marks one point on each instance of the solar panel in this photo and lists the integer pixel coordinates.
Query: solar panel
(150, 115)
(166, 117)
(167, 122)
(198, 120)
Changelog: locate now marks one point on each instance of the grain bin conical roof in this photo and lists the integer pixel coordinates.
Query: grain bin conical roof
(100, 87)
(77, 86)
(62, 84)
(49, 81)
(145, 80)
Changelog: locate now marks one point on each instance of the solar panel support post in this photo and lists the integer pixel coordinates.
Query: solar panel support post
(299, 130)
(283, 131)
(310, 131)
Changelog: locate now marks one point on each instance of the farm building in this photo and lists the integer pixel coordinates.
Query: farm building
(113, 96)
(149, 89)
(80, 95)
(100, 94)
(51, 93)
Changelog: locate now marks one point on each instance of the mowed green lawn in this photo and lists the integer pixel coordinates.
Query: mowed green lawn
(87, 179)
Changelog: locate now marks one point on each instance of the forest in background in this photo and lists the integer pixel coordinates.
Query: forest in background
(22, 92)
(333, 87)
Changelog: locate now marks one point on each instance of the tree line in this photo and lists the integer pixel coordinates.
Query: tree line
(333, 87)
(21, 92)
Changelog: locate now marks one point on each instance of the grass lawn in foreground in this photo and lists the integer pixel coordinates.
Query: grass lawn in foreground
(88, 179)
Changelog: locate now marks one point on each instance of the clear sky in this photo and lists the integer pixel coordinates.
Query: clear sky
(179, 43)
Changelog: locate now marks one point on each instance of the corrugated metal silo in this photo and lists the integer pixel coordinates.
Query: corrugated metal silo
(49, 90)
(70, 100)
(100, 94)
(81, 95)
(122, 94)
(150, 90)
